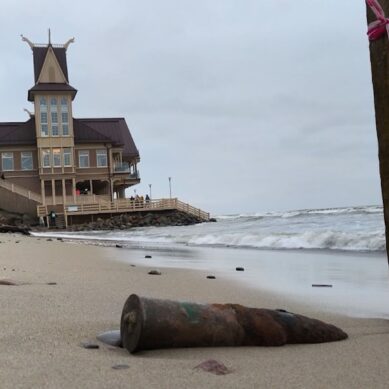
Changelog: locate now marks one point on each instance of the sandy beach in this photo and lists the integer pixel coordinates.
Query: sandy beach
(43, 325)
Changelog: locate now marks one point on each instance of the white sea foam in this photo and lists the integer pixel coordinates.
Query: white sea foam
(350, 229)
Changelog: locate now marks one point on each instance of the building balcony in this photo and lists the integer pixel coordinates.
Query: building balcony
(125, 168)
(121, 167)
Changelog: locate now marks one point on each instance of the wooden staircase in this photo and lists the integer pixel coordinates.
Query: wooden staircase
(60, 221)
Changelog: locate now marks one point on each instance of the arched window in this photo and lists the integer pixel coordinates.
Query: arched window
(42, 102)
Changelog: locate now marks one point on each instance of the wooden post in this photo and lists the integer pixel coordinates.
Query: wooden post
(379, 58)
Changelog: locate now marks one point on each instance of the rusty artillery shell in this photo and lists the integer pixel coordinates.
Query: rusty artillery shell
(148, 324)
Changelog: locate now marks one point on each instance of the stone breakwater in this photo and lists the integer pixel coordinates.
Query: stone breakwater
(126, 221)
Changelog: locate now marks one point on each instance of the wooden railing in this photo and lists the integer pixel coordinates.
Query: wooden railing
(81, 199)
(20, 190)
(126, 205)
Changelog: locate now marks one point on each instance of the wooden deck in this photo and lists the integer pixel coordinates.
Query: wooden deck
(125, 206)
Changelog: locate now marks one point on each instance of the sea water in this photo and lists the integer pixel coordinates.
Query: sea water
(285, 252)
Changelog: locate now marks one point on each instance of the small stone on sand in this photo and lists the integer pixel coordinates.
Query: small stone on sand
(211, 277)
(8, 283)
(90, 345)
(154, 272)
(120, 367)
(240, 268)
(112, 338)
(119, 246)
(148, 256)
(214, 367)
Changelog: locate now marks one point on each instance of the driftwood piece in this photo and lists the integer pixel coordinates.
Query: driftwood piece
(153, 324)
(379, 58)
(21, 230)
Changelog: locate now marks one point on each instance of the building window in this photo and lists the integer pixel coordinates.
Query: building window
(7, 160)
(64, 116)
(57, 157)
(54, 129)
(26, 158)
(54, 117)
(46, 158)
(67, 157)
(43, 111)
(83, 158)
(44, 129)
(101, 158)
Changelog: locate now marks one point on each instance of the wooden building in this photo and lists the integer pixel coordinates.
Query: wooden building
(77, 168)
(56, 158)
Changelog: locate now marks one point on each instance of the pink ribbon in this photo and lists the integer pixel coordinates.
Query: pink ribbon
(377, 28)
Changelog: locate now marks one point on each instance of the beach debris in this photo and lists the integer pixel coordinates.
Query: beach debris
(148, 324)
(214, 367)
(154, 272)
(132, 265)
(321, 285)
(239, 268)
(51, 283)
(89, 345)
(10, 283)
(148, 256)
(111, 337)
(21, 230)
(119, 246)
(17, 241)
(120, 366)
(60, 239)
(210, 277)
(13, 269)
(49, 240)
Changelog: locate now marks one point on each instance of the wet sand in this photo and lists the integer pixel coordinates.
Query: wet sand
(43, 325)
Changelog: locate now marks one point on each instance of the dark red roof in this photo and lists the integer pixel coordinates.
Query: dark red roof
(39, 54)
(112, 130)
(18, 133)
(50, 87)
(85, 134)
(115, 129)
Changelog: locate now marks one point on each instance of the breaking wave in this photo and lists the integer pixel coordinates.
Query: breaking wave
(348, 229)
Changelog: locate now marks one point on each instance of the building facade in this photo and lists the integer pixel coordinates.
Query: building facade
(59, 160)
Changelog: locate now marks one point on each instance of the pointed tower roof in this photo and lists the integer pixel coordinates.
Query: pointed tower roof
(50, 68)
(40, 54)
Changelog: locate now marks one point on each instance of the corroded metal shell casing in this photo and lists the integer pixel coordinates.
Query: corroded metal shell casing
(153, 324)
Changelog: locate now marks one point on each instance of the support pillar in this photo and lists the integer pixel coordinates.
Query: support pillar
(43, 192)
(74, 190)
(64, 192)
(111, 189)
(53, 192)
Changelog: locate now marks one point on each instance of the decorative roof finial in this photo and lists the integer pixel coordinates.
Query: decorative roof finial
(66, 45)
(49, 37)
(24, 39)
(28, 112)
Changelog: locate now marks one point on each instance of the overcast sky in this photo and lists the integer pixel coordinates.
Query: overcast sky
(248, 105)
